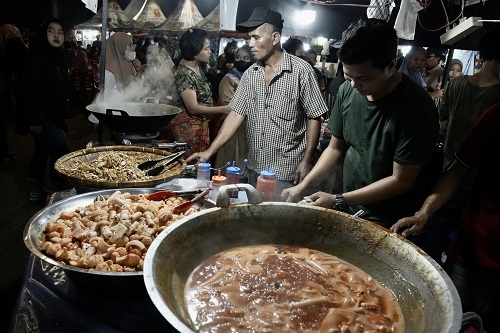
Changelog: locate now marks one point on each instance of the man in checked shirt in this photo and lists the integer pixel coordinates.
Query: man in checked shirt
(281, 100)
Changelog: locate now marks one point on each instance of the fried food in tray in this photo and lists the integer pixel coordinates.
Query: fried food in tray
(115, 167)
(112, 233)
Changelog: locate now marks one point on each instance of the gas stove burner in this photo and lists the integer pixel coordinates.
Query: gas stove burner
(128, 139)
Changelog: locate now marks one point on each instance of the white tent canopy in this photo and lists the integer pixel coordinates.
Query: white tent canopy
(116, 18)
(211, 22)
(150, 16)
(134, 8)
(185, 16)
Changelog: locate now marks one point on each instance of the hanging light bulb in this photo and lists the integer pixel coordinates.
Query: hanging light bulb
(307, 15)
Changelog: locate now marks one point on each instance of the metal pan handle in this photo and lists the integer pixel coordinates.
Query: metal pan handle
(121, 112)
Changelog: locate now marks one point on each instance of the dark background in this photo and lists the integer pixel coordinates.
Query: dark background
(330, 20)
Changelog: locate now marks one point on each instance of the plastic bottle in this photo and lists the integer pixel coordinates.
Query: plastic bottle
(266, 185)
(233, 177)
(217, 182)
(203, 174)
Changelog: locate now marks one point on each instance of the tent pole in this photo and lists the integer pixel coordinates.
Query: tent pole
(102, 58)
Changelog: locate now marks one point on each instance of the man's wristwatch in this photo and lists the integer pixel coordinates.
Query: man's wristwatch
(340, 203)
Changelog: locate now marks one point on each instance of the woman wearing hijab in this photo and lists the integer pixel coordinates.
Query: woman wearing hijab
(46, 87)
(456, 68)
(236, 148)
(120, 64)
(120, 71)
(414, 63)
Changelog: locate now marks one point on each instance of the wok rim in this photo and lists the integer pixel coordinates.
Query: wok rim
(164, 110)
(454, 316)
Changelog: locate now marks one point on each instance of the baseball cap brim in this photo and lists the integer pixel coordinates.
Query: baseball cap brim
(261, 15)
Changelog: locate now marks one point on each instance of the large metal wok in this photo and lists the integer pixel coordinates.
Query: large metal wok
(429, 300)
(134, 117)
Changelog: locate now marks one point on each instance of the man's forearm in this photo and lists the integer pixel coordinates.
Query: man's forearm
(312, 138)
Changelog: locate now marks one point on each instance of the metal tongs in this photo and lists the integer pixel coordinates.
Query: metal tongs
(172, 159)
(148, 164)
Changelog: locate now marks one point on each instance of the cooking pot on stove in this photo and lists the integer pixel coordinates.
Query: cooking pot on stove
(428, 298)
(134, 117)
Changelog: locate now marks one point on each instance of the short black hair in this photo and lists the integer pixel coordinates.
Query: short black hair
(489, 47)
(358, 42)
(311, 51)
(292, 45)
(191, 42)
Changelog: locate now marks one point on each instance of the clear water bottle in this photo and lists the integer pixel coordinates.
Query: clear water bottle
(203, 174)
(266, 185)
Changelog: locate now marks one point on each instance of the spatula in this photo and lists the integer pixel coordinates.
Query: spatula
(183, 207)
(148, 164)
(158, 169)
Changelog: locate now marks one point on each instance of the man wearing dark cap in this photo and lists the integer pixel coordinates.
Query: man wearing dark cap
(434, 71)
(281, 100)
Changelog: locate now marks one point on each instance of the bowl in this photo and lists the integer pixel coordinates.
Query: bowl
(428, 299)
(67, 164)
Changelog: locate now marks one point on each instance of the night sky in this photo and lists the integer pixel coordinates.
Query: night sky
(330, 21)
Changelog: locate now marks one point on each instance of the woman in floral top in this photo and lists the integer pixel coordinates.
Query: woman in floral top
(195, 93)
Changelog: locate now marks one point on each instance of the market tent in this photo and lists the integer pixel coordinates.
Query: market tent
(134, 8)
(211, 22)
(116, 18)
(184, 16)
(150, 16)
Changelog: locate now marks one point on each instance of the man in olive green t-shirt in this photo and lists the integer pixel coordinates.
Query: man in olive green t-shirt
(384, 130)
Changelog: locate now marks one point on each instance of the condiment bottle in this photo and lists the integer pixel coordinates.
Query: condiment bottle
(203, 174)
(217, 182)
(233, 177)
(266, 185)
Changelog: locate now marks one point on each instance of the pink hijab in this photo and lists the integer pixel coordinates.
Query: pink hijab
(115, 59)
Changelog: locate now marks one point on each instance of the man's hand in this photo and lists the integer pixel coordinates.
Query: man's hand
(302, 171)
(322, 199)
(292, 194)
(411, 225)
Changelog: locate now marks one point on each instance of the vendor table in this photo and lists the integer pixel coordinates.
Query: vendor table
(51, 302)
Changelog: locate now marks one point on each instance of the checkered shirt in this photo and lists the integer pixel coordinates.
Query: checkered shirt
(277, 114)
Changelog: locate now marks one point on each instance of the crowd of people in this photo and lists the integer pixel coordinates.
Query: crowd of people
(266, 105)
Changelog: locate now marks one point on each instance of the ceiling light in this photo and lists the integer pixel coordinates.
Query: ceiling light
(307, 15)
